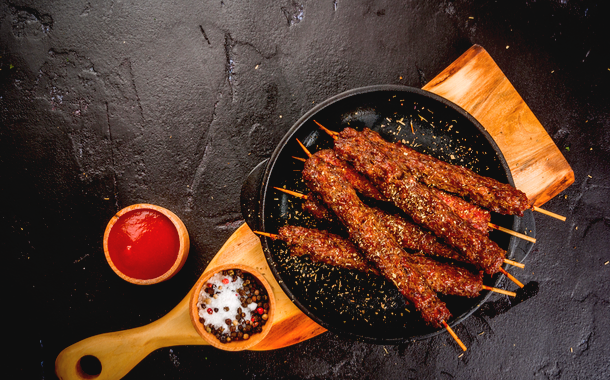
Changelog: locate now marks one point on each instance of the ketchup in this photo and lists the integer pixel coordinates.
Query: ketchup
(143, 244)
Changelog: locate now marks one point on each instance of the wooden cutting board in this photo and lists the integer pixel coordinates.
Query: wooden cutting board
(473, 82)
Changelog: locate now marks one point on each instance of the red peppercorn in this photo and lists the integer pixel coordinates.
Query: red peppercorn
(210, 311)
(225, 281)
(260, 310)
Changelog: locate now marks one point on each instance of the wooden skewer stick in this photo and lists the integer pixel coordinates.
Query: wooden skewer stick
(511, 232)
(304, 148)
(551, 214)
(510, 276)
(332, 133)
(515, 263)
(501, 291)
(492, 289)
(453, 334)
(272, 236)
(303, 196)
(491, 225)
(449, 329)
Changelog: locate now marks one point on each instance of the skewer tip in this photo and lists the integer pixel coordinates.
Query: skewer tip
(551, 214)
(500, 291)
(331, 133)
(514, 263)
(511, 277)
(304, 148)
(511, 232)
(294, 193)
(454, 336)
(267, 234)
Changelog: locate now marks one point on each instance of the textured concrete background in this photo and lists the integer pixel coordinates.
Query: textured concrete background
(106, 104)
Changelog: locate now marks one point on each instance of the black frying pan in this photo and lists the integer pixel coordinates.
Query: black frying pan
(352, 304)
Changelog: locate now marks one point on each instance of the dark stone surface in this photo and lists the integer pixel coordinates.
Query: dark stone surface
(106, 104)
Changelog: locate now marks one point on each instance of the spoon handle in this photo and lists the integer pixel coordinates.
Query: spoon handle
(118, 352)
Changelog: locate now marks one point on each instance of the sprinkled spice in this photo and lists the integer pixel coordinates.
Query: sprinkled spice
(233, 305)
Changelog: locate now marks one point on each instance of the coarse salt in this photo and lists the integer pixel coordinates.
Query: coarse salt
(227, 296)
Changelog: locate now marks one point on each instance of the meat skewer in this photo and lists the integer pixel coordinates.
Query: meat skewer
(476, 216)
(418, 201)
(353, 177)
(376, 243)
(451, 202)
(458, 205)
(322, 246)
(374, 240)
(484, 191)
(408, 235)
(470, 243)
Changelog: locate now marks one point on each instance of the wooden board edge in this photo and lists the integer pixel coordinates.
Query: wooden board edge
(476, 62)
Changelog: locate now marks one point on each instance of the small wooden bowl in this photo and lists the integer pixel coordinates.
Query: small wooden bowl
(235, 345)
(183, 250)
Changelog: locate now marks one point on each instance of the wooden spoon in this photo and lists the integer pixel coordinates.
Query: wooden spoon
(118, 352)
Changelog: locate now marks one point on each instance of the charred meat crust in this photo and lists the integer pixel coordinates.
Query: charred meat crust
(373, 239)
(416, 199)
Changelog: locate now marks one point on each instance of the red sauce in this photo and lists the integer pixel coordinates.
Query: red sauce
(143, 244)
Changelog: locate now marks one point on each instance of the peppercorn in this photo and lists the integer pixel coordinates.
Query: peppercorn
(238, 327)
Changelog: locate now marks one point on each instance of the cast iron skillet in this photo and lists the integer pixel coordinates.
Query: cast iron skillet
(352, 304)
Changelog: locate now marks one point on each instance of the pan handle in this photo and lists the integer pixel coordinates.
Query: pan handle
(250, 196)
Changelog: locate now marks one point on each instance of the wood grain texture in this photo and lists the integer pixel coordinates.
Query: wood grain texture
(475, 83)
